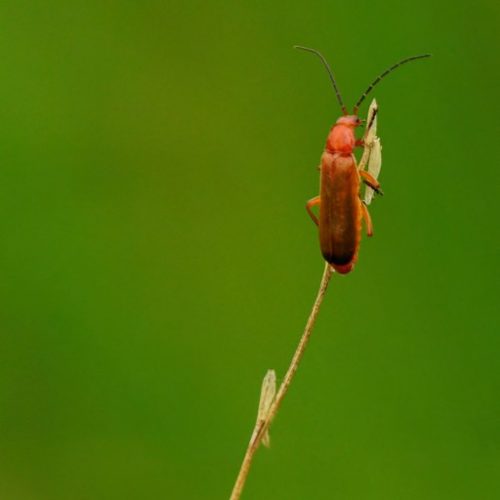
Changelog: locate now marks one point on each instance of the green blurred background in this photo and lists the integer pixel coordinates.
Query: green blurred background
(156, 257)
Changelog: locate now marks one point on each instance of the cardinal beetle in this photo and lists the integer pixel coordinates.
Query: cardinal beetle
(340, 206)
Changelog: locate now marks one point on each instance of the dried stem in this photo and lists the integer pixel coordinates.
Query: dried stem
(263, 424)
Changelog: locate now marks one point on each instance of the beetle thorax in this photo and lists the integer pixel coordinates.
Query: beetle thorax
(341, 138)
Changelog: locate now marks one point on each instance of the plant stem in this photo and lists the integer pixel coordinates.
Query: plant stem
(263, 424)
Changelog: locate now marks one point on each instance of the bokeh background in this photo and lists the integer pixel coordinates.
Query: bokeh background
(156, 257)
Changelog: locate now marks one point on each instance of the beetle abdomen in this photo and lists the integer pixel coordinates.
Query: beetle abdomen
(340, 214)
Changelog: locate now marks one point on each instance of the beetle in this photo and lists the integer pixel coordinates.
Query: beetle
(340, 206)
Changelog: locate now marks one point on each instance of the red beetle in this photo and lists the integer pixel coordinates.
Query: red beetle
(340, 206)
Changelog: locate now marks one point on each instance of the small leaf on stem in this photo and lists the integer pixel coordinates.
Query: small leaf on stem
(267, 394)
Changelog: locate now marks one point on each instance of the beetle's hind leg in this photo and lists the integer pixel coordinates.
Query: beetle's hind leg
(367, 218)
(311, 203)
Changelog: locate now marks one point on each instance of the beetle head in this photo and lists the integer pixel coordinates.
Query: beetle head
(349, 121)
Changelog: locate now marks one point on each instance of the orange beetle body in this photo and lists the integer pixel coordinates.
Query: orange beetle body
(340, 209)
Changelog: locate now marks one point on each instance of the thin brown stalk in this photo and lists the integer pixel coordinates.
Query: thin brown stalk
(262, 424)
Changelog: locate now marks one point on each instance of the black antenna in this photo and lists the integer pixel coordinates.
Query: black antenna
(339, 98)
(385, 73)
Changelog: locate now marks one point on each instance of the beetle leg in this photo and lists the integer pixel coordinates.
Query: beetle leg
(313, 201)
(367, 218)
(371, 181)
(372, 121)
(360, 143)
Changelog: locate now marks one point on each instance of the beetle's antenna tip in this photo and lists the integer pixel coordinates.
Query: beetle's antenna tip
(384, 74)
(330, 73)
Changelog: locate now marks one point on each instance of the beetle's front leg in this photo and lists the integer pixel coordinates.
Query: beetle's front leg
(371, 181)
(311, 203)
